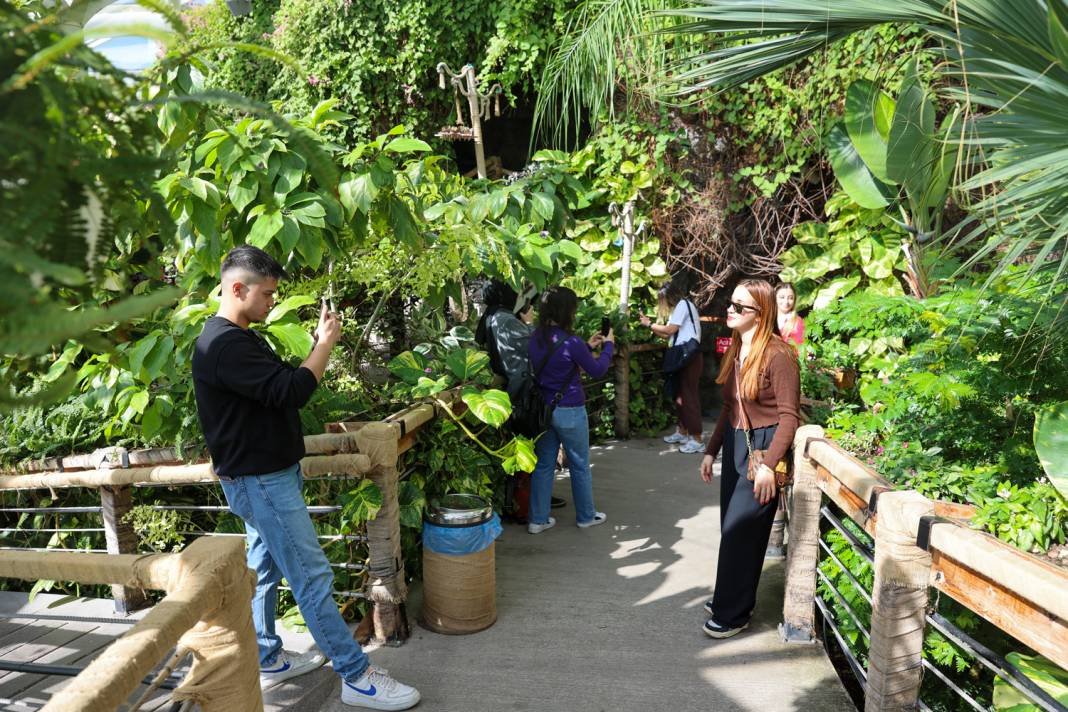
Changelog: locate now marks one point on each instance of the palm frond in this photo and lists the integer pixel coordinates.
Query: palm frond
(604, 39)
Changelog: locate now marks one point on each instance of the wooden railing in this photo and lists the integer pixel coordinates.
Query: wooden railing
(920, 545)
(207, 613)
(364, 449)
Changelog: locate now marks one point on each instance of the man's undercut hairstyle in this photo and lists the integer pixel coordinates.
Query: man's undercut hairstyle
(253, 262)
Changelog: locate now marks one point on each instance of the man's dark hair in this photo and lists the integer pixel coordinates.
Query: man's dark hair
(496, 293)
(558, 307)
(254, 261)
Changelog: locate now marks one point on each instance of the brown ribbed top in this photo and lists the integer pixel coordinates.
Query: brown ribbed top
(777, 403)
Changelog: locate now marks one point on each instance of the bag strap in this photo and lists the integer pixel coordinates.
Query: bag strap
(689, 315)
(545, 361)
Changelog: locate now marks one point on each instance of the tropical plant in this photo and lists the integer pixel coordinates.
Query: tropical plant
(1051, 444)
(883, 148)
(1007, 64)
(77, 202)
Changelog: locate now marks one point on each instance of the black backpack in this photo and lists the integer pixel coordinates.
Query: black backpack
(531, 414)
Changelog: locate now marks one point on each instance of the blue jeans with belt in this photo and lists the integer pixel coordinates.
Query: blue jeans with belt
(282, 543)
(571, 428)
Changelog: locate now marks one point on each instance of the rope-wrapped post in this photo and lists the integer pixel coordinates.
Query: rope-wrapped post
(622, 419)
(207, 611)
(802, 556)
(380, 442)
(899, 604)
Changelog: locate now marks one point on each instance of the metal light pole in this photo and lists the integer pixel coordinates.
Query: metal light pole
(465, 83)
(624, 221)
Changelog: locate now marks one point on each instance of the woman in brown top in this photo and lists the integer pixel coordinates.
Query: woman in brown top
(766, 370)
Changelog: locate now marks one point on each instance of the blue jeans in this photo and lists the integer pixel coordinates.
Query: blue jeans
(282, 543)
(570, 428)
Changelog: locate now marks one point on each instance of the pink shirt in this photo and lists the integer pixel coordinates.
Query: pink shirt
(797, 334)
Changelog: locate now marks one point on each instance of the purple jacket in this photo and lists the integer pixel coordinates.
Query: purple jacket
(559, 369)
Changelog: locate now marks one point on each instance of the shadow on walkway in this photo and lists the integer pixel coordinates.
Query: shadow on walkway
(609, 618)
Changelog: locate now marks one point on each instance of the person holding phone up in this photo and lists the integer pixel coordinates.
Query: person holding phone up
(683, 324)
(559, 356)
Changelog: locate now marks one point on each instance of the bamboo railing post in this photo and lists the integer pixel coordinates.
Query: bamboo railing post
(388, 591)
(622, 419)
(798, 612)
(899, 604)
(115, 503)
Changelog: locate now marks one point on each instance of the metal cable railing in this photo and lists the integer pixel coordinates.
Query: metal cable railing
(832, 627)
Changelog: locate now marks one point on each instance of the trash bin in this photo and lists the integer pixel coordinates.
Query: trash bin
(459, 575)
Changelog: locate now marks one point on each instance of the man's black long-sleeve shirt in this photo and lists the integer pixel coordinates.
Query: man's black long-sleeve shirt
(248, 400)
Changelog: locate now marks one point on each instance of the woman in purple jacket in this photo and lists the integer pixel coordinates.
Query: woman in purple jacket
(559, 355)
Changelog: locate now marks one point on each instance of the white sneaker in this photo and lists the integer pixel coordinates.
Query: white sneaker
(378, 691)
(692, 446)
(598, 518)
(539, 528)
(675, 437)
(289, 664)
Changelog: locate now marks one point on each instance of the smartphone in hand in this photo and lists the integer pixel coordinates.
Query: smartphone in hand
(606, 325)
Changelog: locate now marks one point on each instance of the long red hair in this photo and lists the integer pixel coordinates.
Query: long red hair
(766, 341)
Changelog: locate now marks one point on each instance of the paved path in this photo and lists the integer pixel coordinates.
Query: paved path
(601, 619)
(609, 618)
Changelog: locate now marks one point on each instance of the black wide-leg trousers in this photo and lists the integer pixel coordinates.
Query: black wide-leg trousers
(745, 526)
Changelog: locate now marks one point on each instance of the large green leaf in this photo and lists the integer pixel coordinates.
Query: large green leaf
(492, 407)
(835, 289)
(409, 367)
(860, 183)
(294, 337)
(878, 255)
(243, 190)
(466, 363)
(266, 226)
(1051, 444)
(289, 304)
(910, 150)
(403, 224)
(1058, 29)
(869, 112)
(1042, 671)
(357, 192)
(407, 145)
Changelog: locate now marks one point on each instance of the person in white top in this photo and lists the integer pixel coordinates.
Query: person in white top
(683, 324)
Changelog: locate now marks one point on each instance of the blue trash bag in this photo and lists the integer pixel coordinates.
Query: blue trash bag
(458, 541)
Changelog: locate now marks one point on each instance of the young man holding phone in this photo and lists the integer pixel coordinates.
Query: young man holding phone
(248, 401)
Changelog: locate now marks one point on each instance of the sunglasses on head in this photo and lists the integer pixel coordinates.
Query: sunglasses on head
(740, 308)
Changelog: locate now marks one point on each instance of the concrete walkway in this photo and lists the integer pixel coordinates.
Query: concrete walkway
(609, 618)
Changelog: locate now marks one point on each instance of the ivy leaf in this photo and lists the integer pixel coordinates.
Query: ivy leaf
(492, 407)
(266, 226)
(294, 337)
(360, 505)
(429, 387)
(409, 367)
(407, 145)
(465, 363)
(411, 502)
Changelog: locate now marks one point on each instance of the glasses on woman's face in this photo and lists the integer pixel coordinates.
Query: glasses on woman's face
(740, 308)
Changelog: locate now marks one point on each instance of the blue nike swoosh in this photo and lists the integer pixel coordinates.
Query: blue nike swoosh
(370, 693)
(281, 669)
